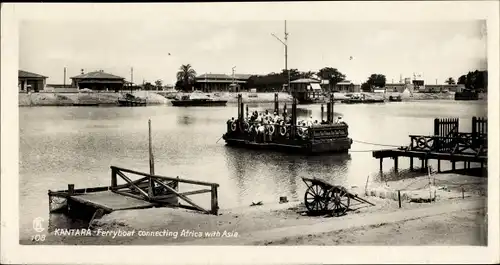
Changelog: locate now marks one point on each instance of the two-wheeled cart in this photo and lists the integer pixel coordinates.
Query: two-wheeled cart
(322, 197)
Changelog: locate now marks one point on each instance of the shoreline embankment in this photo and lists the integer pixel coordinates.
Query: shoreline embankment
(272, 223)
(160, 97)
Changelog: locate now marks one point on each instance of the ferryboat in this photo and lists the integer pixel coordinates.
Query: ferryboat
(197, 100)
(288, 134)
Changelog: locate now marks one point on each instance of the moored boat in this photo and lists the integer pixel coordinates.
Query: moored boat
(467, 94)
(395, 98)
(130, 100)
(197, 101)
(361, 98)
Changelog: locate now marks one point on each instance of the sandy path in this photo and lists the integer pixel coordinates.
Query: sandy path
(463, 227)
(347, 222)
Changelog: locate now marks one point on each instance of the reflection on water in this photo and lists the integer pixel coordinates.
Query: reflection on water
(63, 145)
(250, 167)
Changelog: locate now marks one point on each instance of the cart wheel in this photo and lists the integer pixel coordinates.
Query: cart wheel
(314, 198)
(338, 201)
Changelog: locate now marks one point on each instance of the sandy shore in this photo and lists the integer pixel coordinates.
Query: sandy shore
(414, 223)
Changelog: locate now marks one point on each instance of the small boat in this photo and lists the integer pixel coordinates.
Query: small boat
(196, 100)
(361, 98)
(467, 94)
(395, 98)
(86, 104)
(131, 100)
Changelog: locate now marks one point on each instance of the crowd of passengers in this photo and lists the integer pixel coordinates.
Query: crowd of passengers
(258, 124)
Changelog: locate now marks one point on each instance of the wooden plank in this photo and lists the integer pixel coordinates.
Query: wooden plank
(133, 184)
(111, 201)
(183, 193)
(182, 197)
(163, 177)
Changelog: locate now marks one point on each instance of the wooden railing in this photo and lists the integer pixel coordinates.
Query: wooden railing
(161, 189)
(461, 143)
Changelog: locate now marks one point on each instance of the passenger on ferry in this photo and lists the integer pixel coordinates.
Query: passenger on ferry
(339, 120)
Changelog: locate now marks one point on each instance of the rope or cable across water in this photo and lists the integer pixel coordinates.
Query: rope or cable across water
(363, 142)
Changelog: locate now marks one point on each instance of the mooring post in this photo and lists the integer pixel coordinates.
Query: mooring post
(422, 166)
(328, 118)
(276, 106)
(114, 181)
(395, 164)
(71, 189)
(215, 205)
(151, 164)
(463, 193)
(294, 118)
(332, 103)
(246, 110)
(151, 158)
(411, 163)
(453, 166)
(439, 165)
(322, 110)
(381, 163)
(399, 198)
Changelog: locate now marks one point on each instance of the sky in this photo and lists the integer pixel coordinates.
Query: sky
(435, 50)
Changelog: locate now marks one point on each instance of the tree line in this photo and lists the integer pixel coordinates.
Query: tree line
(186, 79)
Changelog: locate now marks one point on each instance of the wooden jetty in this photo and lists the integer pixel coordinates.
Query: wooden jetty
(447, 143)
(146, 191)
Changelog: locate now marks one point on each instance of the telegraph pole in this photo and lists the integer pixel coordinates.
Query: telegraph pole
(234, 86)
(286, 58)
(285, 43)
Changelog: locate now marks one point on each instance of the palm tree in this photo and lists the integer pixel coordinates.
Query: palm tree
(450, 81)
(186, 76)
(158, 84)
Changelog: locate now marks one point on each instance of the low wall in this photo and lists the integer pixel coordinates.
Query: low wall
(68, 99)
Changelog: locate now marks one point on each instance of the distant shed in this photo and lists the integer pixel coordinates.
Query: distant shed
(98, 80)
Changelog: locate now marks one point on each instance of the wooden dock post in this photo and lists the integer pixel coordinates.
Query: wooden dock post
(151, 163)
(328, 118)
(114, 181)
(399, 198)
(322, 110)
(439, 165)
(422, 166)
(276, 105)
(71, 189)
(381, 163)
(214, 202)
(453, 165)
(395, 164)
(411, 163)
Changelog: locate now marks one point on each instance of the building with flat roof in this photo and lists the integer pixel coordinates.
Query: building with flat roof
(222, 82)
(98, 80)
(27, 81)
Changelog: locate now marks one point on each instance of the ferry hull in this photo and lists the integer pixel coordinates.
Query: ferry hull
(328, 146)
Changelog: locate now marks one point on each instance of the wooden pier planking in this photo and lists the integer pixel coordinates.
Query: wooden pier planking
(111, 201)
